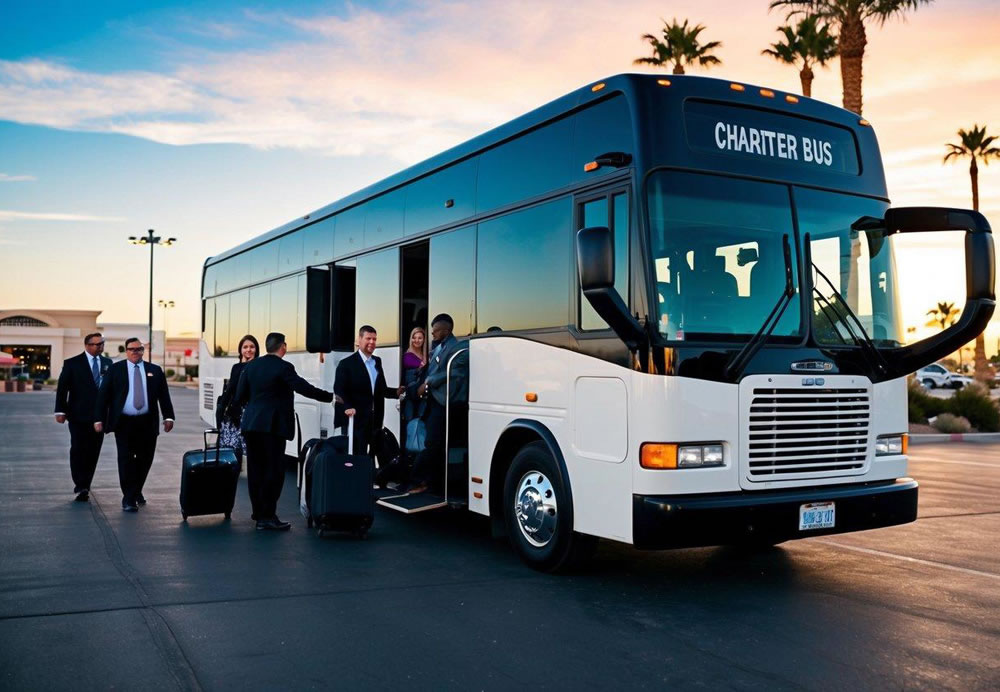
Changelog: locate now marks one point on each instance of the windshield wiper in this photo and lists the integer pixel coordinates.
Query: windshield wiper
(757, 341)
(864, 342)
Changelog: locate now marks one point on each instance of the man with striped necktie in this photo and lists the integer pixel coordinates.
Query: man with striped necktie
(130, 401)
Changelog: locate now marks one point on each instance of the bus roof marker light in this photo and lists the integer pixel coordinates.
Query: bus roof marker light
(791, 99)
(590, 166)
(531, 397)
(663, 82)
(864, 122)
(737, 87)
(767, 93)
(597, 87)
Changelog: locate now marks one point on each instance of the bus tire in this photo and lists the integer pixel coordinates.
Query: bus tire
(539, 514)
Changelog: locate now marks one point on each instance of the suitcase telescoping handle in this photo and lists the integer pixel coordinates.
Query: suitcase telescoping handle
(218, 437)
(350, 435)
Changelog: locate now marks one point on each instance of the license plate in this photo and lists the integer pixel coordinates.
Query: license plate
(816, 515)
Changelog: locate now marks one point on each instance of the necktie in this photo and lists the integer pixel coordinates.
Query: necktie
(97, 372)
(138, 396)
(370, 364)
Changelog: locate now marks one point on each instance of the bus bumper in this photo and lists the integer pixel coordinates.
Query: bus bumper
(687, 521)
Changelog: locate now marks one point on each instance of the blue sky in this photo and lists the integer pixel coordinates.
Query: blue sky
(216, 121)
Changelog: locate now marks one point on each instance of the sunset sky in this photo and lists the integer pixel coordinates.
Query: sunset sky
(215, 121)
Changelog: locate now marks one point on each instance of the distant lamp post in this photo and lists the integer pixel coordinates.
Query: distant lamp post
(151, 240)
(166, 305)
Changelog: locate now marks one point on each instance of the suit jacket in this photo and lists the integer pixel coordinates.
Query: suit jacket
(437, 365)
(76, 394)
(267, 388)
(225, 406)
(353, 384)
(114, 390)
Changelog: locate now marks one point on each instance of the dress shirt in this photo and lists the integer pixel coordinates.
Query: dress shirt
(370, 367)
(129, 409)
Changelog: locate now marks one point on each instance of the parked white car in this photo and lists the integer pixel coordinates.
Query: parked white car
(934, 376)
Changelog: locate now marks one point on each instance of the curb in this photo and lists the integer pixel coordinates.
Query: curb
(928, 438)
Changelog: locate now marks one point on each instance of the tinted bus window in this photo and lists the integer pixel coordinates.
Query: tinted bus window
(209, 334)
(377, 301)
(384, 220)
(603, 127)
(300, 324)
(234, 272)
(222, 346)
(453, 278)
(290, 253)
(318, 242)
(524, 268)
(284, 311)
(209, 282)
(260, 311)
(264, 262)
(595, 213)
(350, 237)
(239, 319)
(427, 198)
(527, 166)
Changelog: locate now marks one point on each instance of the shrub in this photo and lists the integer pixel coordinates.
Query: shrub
(922, 405)
(948, 423)
(50, 381)
(192, 371)
(171, 372)
(182, 378)
(973, 402)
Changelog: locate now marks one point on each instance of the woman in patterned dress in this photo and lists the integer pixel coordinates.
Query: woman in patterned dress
(228, 412)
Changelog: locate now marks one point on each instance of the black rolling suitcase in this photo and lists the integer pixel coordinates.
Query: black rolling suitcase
(340, 491)
(208, 480)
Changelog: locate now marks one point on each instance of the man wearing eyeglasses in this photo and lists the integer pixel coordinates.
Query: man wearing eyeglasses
(129, 403)
(76, 398)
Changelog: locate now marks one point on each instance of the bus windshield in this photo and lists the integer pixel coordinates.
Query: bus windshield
(717, 251)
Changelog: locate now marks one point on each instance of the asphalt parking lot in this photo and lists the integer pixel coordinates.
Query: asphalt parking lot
(92, 598)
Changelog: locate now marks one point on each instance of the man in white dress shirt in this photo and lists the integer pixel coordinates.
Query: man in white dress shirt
(129, 403)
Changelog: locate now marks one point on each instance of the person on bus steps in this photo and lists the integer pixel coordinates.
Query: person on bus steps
(227, 412)
(266, 390)
(428, 468)
(130, 401)
(76, 400)
(360, 383)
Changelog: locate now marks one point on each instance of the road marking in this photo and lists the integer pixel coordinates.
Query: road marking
(904, 558)
(954, 461)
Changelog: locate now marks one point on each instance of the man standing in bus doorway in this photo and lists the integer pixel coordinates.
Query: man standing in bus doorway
(360, 383)
(76, 402)
(267, 389)
(129, 403)
(428, 467)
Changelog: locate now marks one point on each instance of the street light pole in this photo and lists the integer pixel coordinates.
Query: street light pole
(151, 239)
(165, 304)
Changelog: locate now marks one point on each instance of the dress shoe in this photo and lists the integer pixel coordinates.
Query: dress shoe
(140, 500)
(273, 524)
(83, 496)
(129, 507)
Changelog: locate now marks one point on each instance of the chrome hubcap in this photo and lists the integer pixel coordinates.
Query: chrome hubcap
(535, 508)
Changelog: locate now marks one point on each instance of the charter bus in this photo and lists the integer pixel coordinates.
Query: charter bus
(680, 304)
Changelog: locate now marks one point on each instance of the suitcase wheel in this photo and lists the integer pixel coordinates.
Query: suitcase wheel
(229, 515)
(184, 515)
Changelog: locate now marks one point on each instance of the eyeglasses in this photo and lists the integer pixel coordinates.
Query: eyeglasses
(138, 349)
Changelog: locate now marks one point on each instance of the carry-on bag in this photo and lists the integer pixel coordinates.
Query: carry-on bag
(208, 479)
(341, 497)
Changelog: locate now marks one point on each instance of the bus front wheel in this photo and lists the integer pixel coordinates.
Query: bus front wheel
(538, 513)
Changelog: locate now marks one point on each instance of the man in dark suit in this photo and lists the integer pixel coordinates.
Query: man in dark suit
(428, 467)
(76, 400)
(129, 403)
(267, 389)
(360, 383)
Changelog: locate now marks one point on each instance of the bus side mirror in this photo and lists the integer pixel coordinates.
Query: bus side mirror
(980, 277)
(595, 259)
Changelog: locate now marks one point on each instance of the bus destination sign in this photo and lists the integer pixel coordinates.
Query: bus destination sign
(770, 137)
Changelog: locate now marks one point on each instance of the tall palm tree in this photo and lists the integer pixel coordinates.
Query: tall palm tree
(680, 46)
(848, 17)
(976, 145)
(943, 315)
(809, 43)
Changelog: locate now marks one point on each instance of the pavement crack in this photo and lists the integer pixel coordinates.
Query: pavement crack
(960, 514)
(177, 663)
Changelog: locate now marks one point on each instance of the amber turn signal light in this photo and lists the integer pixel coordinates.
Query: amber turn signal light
(654, 455)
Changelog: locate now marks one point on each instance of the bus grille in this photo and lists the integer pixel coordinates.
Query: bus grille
(803, 431)
(208, 395)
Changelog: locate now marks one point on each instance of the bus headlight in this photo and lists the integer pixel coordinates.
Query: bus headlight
(692, 456)
(891, 445)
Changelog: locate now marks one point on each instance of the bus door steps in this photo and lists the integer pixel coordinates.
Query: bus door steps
(411, 504)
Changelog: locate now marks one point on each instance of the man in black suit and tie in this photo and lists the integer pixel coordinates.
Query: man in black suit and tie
(360, 383)
(129, 403)
(76, 400)
(267, 388)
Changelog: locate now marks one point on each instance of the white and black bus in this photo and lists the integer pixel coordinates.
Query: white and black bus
(681, 307)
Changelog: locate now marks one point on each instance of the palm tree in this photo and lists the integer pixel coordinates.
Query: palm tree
(849, 17)
(976, 145)
(810, 42)
(943, 315)
(679, 46)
